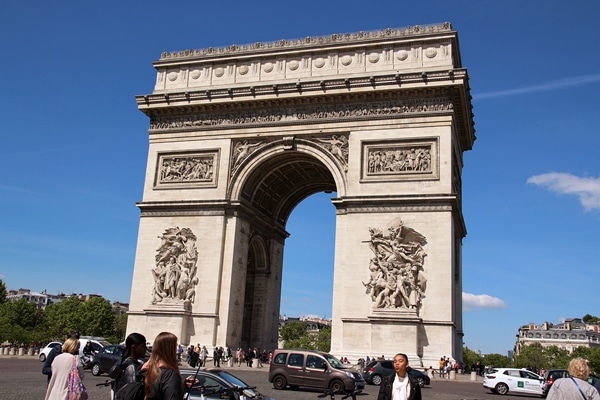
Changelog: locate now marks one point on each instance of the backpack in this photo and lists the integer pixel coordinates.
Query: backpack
(131, 391)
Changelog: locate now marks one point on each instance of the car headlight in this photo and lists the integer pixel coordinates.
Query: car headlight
(350, 374)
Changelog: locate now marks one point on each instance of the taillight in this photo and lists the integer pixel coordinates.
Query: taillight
(491, 376)
(550, 380)
(371, 369)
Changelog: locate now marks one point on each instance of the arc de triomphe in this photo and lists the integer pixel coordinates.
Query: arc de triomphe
(240, 135)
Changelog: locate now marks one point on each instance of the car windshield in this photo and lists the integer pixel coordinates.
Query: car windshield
(334, 362)
(235, 381)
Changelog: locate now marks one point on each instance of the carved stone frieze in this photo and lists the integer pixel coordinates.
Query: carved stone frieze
(396, 272)
(186, 169)
(174, 275)
(416, 159)
(276, 115)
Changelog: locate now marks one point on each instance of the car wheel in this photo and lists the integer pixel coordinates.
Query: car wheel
(502, 388)
(421, 381)
(376, 379)
(279, 382)
(336, 385)
(42, 357)
(96, 370)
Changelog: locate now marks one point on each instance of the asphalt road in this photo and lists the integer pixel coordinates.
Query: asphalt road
(21, 379)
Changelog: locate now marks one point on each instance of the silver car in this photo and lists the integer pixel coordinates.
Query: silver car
(219, 384)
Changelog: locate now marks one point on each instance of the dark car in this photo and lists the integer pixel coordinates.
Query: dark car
(216, 383)
(106, 358)
(550, 376)
(375, 370)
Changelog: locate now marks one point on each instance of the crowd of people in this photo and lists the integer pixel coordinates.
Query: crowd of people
(197, 356)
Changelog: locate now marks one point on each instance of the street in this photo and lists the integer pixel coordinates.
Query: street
(21, 378)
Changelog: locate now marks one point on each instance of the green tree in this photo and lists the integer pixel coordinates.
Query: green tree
(120, 328)
(21, 320)
(2, 292)
(323, 339)
(97, 317)
(590, 319)
(590, 354)
(555, 358)
(531, 357)
(470, 358)
(62, 317)
(496, 360)
(292, 331)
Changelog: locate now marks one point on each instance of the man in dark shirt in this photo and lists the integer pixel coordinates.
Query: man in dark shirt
(47, 368)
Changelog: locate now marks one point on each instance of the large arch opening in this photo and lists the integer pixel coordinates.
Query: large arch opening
(273, 190)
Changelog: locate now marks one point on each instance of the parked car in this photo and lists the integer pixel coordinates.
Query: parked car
(375, 370)
(219, 384)
(46, 350)
(106, 358)
(550, 376)
(310, 368)
(504, 380)
(97, 343)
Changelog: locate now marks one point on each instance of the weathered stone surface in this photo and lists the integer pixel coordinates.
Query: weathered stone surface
(239, 136)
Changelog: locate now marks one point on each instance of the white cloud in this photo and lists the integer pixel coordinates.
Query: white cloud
(587, 189)
(472, 301)
(543, 87)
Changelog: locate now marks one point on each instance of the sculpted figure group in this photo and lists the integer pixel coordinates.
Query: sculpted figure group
(396, 277)
(186, 169)
(175, 272)
(416, 159)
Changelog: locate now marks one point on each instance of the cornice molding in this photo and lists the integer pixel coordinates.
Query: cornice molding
(310, 42)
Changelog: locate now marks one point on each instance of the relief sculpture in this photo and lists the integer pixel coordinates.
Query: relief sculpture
(241, 151)
(175, 272)
(397, 277)
(186, 169)
(400, 159)
(338, 146)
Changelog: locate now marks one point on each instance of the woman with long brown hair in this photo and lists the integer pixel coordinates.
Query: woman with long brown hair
(163, 380)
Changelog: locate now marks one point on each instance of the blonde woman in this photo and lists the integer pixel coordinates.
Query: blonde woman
(58, 387)
(576, 386)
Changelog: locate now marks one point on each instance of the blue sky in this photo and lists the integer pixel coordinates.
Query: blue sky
(74, 146)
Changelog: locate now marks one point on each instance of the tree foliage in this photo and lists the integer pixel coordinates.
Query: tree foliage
(296, 336)
(590, 319)
(470, 357)
(496, 360)
(2, 292)
(293, 331)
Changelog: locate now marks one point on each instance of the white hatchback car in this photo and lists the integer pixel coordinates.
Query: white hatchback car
(504, 380)
(46, 350)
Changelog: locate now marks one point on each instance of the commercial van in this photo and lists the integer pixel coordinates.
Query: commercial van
(315, 369)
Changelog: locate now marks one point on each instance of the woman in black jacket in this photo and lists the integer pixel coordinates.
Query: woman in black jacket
(163, 380)
(399, 386)
(127, 370)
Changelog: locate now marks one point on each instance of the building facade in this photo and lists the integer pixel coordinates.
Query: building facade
(569, 335)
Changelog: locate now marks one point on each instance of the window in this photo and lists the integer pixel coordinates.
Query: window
(314, 362)
(295, 360)
(280, 358)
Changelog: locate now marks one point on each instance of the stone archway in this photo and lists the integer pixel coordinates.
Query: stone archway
(239, 136)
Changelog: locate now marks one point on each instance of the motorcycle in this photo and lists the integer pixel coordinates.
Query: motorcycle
(87, 360)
